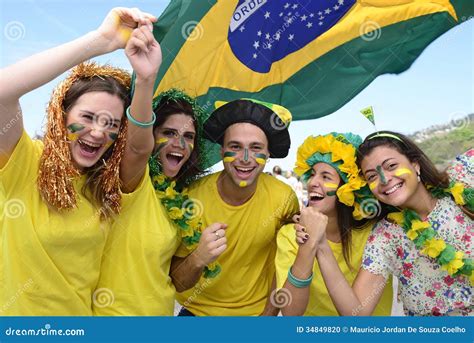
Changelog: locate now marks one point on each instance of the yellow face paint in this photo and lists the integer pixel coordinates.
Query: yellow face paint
(403, 171)
(72, 137)
(330, 185)
(373, 185)
(261, 159)
(229, 156)
(191, 145)
(161, 140)
(243, 184)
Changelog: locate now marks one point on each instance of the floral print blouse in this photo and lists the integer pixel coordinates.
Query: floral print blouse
(424, 288)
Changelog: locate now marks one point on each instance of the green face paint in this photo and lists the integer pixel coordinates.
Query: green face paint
(229, 156)
(113, 136)
(246, 155)
(161, 142)
(331, 193)
(73, 130)
(182, 142)
(75, 127)
(383, 180)
(260, 158)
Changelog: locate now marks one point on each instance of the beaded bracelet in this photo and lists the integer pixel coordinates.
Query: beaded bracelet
(299, 283)
(139, 123)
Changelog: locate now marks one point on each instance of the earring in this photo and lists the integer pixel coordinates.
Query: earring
(418, 176)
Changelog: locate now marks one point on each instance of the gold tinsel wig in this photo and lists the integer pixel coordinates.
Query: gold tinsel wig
(56, 169)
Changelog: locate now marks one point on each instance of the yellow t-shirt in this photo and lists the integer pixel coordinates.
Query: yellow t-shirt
(320, 303)
(135, 268)
(243, 285)
(50, 261)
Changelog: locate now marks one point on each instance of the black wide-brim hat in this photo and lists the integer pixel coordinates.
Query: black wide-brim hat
(272, 119)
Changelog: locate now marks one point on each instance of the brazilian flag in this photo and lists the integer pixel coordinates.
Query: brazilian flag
(311, 56)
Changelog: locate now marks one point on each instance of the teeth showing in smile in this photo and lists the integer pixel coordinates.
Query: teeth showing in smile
(316, 196)
(93, 145)
(245, 170)
(393, 189)
(177, 154)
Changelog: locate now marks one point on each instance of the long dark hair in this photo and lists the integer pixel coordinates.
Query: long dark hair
(346, 224)
(92, 188)
(429, 174)
(193, 168)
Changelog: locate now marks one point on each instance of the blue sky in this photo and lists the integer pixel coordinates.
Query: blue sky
(438, 87)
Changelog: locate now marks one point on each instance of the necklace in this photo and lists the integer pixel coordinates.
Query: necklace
(427, 240)
(181, 211)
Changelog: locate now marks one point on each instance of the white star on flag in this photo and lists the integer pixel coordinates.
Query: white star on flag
(256, 44)
(267, 15)
(290, 37)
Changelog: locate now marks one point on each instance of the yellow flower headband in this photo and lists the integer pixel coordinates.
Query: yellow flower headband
(339, 151)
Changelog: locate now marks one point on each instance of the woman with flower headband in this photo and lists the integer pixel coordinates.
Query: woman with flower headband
(335, 192)
(61, 192)
(424, 236)
(162, 156)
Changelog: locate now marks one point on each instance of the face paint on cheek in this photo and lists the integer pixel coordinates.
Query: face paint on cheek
(373, 185)
(243, 184)
(229, 156)
(191, 146)
(182, 142)
(381, 174)
(73, 131)
(246, 155)
(261, 159)
(403, 171)
(332, 186)
(162, 142)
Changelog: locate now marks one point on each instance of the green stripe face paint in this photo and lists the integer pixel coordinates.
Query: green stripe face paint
(229, 156)
(182, 142)
(332, 186)
(383, 180)
(162, 142)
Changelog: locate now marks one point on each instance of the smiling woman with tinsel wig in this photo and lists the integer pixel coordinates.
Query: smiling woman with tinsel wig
(61, 193)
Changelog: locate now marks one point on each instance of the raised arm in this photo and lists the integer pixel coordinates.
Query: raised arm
(314, 225)
(35, 71)
(144, 54)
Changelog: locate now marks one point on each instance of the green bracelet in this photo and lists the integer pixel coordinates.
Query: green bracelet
(299, 283)
(139, 123)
